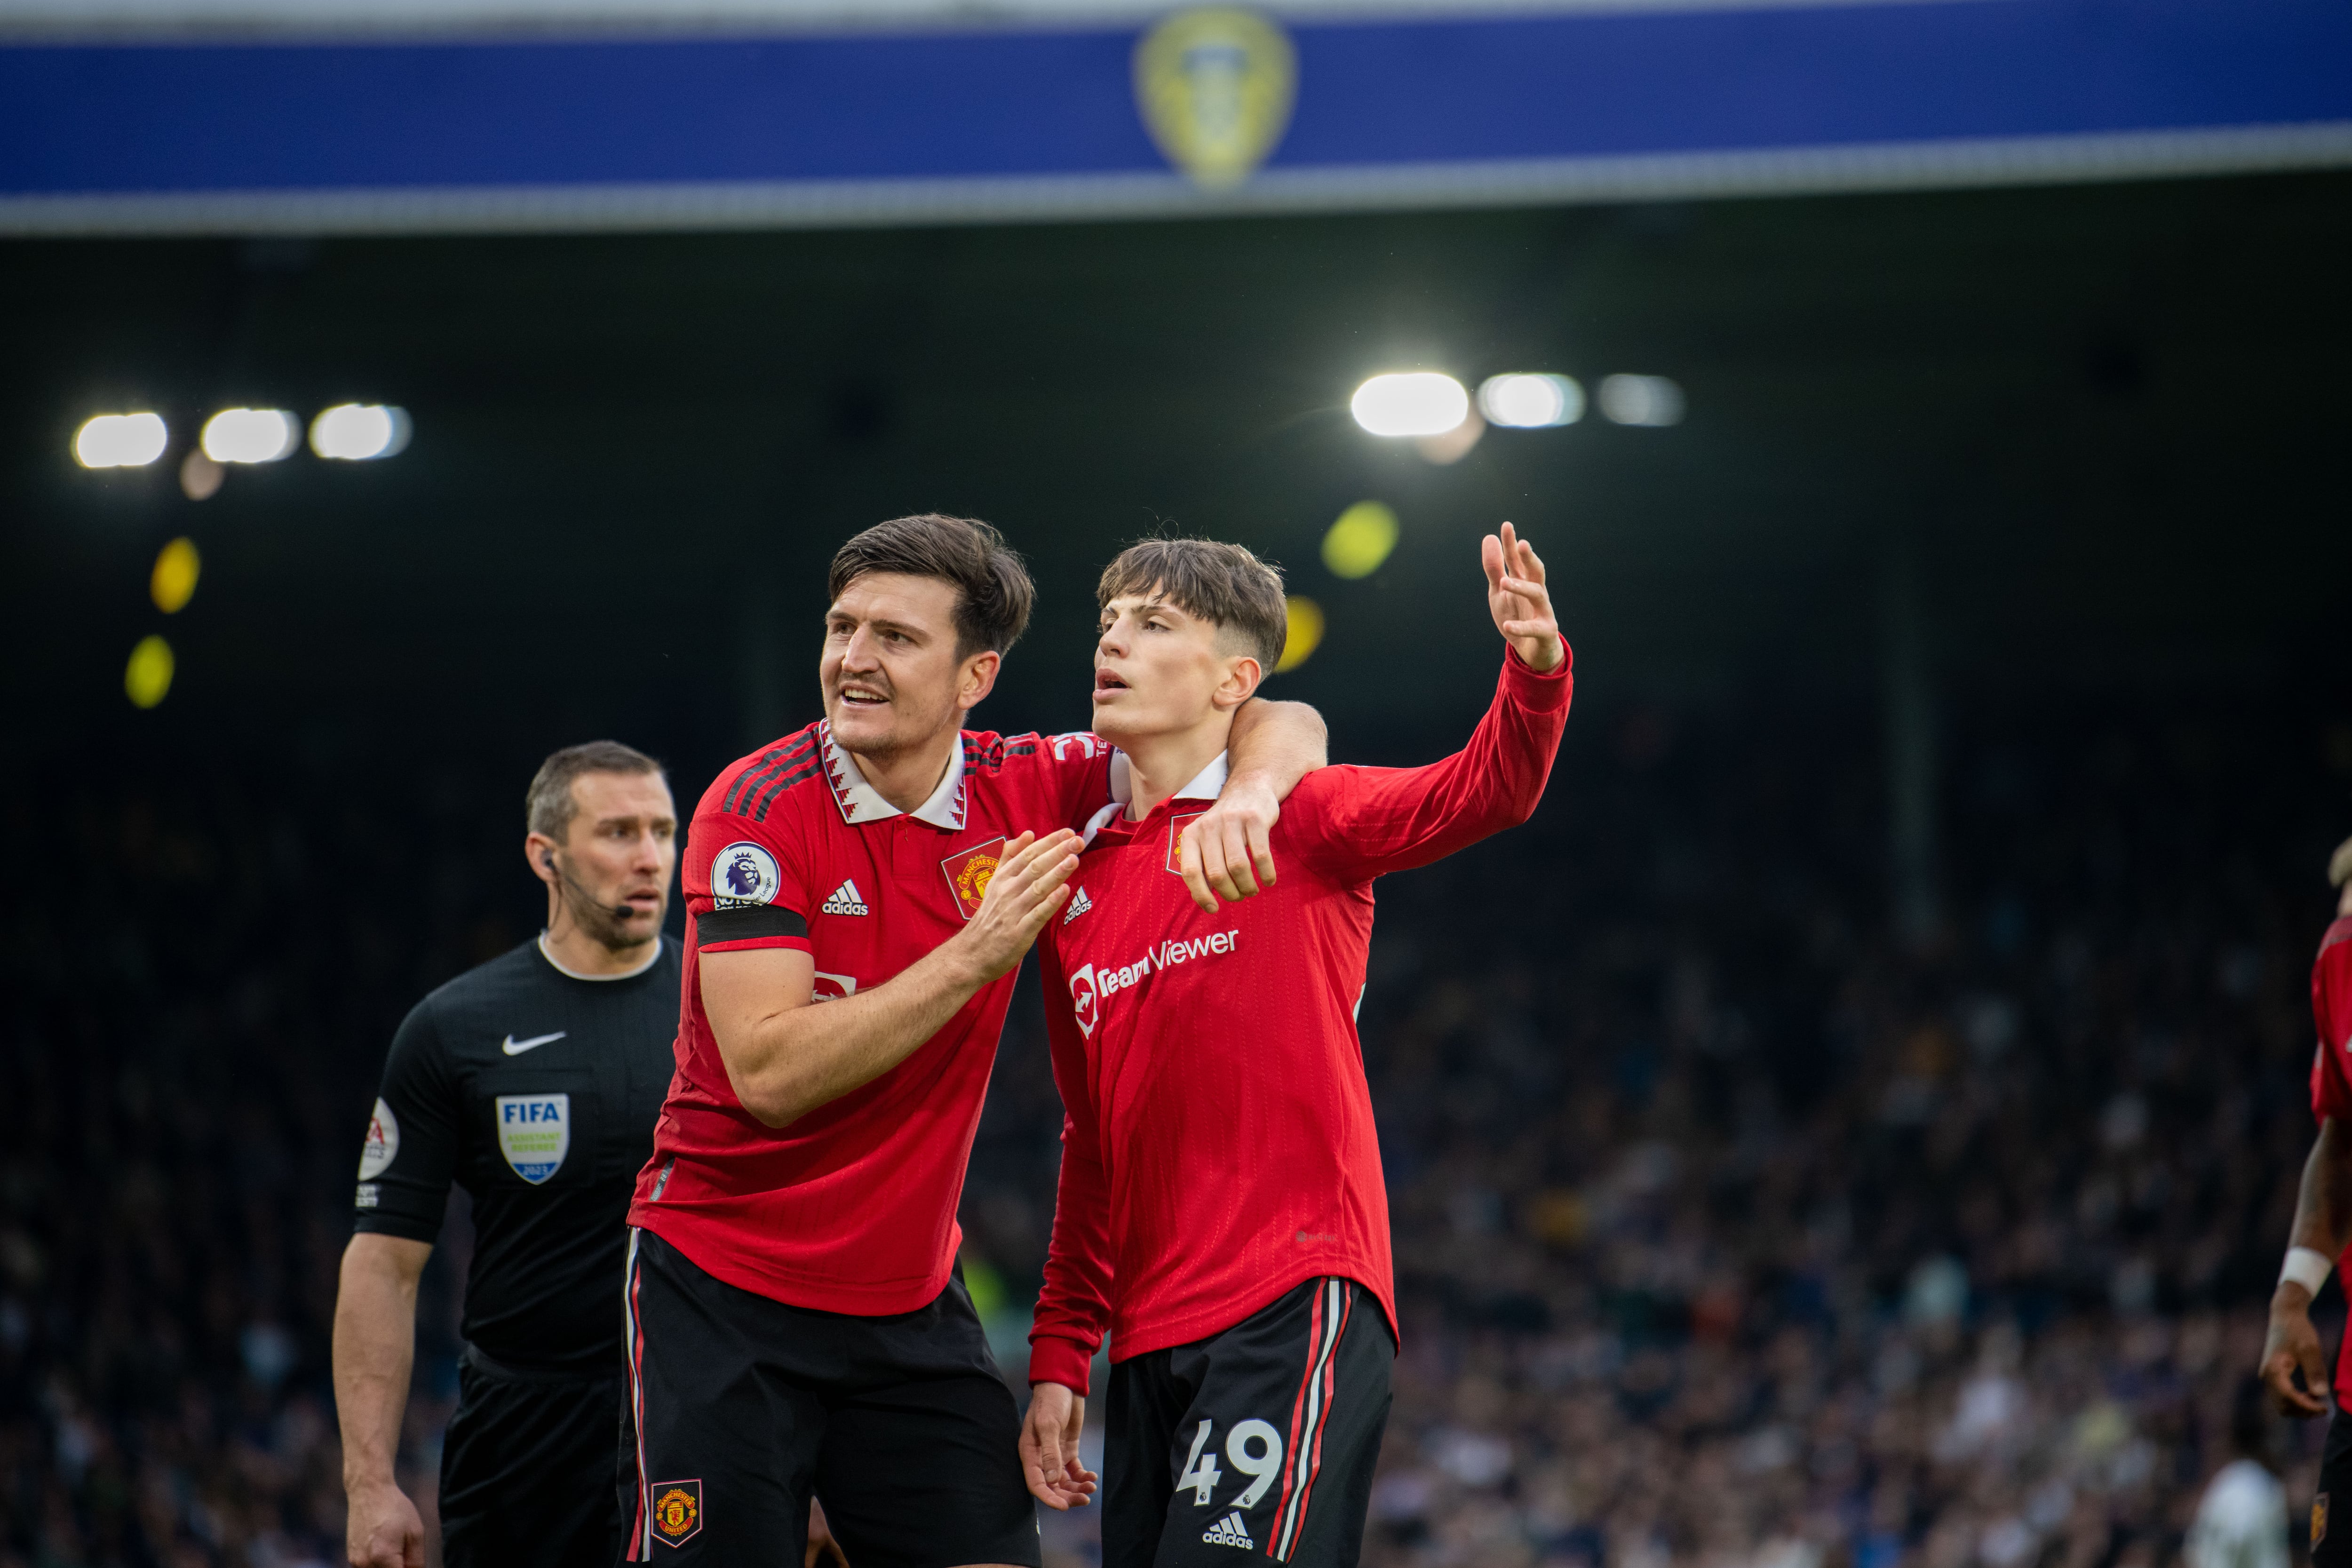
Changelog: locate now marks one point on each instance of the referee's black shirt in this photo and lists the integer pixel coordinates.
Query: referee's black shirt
(535, 1090)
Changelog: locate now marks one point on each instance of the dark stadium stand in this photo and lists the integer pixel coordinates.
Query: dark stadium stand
(1730, 1231)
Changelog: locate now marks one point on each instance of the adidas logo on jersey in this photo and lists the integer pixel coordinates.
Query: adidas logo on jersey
(1078, 906)
(844, 901)
(1230, 1531)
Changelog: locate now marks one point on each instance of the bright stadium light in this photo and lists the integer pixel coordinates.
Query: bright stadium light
(356, 432)
(1641, 400)
(1528, 401)
(1416, 403)
(250, 434)
(120, 441)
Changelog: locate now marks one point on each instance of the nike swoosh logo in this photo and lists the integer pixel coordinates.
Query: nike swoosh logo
(515, 1047)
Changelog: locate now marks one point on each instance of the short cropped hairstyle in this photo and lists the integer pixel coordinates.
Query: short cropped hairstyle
(1223, 585)
(2339, 865)
(993, 594)
(548, 807)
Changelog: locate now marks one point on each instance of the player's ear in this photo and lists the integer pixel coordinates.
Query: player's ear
(978, 677)
(1243, 676)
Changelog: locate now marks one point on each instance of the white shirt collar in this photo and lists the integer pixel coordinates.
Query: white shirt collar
(1207, 784)
(861, 802)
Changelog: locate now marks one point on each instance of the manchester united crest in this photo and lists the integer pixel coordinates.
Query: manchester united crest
(2319, 1521)
(1176, 827)
(968, 871)
(677, 1510)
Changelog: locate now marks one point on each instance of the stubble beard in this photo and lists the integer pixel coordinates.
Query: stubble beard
(608, 931)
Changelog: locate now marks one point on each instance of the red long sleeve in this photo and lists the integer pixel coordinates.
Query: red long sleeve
(1392, 820)
(1073, 1307)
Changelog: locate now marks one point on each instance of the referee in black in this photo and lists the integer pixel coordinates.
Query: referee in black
(533, 1082)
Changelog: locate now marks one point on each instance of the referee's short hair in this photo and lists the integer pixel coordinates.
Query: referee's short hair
(1223, 585)
(548, 807)
(994, 593)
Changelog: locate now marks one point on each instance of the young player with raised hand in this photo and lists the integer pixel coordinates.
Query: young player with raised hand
(1222, 1213)
(794, 1320)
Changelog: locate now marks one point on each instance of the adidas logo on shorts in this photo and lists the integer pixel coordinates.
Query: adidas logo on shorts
(1230, 1531)
(1078, 906)
(844, 901)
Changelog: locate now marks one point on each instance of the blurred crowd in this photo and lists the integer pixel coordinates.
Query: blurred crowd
(1735, 1228)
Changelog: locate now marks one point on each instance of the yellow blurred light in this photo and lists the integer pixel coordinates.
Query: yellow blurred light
(174, 583)
(1361, 540)
(149, 675)
(120, 441)
(1304, 633)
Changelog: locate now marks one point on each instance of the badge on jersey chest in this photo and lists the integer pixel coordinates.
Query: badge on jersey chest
(534, 1133)
(1176, 827)
(968, 871)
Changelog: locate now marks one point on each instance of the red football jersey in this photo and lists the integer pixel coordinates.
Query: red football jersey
(852, 1207)
(1217, 1143)
(2331, 1064)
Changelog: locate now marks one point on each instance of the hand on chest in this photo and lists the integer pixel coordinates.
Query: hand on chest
(895, 890)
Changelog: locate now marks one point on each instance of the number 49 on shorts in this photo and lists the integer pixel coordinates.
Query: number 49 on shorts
(1252, 1448)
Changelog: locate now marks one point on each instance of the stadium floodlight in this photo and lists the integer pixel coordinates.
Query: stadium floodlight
(1531, 400)
(1414, 402)
(1641, 400)
(250, 434)
(358, 432)
(120, 441)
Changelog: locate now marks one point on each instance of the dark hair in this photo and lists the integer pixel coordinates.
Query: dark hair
(547, 806)
(993, 594)
(1223, 585)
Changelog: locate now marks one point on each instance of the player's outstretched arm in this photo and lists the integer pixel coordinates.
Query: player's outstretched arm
(1228, 850)
(2322, 1223)
(785, 1056)
(375, 1343)
(1049, 1448)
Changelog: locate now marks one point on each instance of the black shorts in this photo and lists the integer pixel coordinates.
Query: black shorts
(2331, 1536)
(1260, 1439)
(526, 1469)
(740, 1407)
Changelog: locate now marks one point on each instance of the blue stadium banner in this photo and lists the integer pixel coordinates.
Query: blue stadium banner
(1206, 109)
